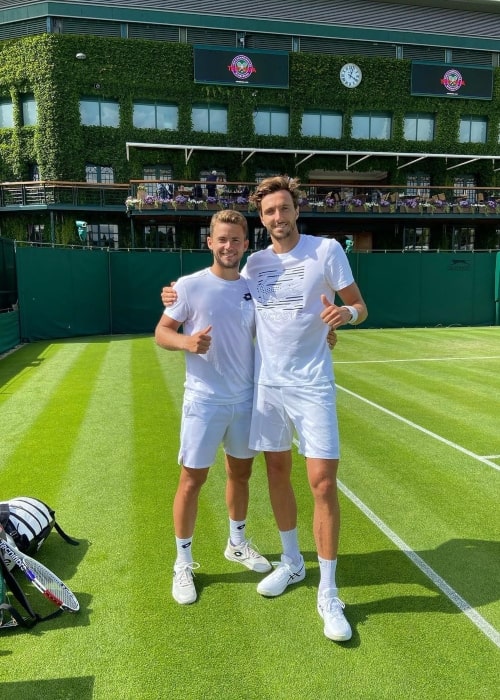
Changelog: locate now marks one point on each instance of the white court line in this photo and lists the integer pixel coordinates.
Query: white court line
(465, 607)
(454, 445)
(416, 359)
(444, 587)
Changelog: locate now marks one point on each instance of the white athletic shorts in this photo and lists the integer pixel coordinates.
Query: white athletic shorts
(310, 411)
(205, 426)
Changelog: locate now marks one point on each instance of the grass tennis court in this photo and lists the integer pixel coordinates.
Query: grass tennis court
(91, 427)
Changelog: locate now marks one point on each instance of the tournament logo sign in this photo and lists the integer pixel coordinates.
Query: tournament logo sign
(241, 67)
(219, 65)
(452, 80)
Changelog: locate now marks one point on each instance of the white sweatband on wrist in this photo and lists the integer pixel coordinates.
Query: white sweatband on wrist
(354, 314)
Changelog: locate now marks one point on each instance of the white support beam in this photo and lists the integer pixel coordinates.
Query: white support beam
(410, 162)
(367, 155)
(252, 153)
(304, 159)
(458, 165)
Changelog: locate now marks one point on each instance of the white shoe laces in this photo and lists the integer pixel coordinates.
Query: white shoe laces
(184, 573)
(333, 606)
(250, 550)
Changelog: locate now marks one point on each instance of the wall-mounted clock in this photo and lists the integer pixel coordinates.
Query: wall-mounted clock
(350, 75)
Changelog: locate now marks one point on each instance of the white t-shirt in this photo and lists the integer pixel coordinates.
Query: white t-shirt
(286, 288)
(225, 373)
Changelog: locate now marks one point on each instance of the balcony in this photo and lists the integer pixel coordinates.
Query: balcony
(187, 197)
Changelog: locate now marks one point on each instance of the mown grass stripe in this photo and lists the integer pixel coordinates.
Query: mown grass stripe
(95, 505)
(410, 423)
(42, 418)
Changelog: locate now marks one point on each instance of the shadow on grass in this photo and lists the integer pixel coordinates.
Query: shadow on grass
(16, 363)
(30, 355)
(79, 688)
(467, 566)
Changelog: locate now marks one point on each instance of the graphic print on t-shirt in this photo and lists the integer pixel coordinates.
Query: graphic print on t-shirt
(280, 290)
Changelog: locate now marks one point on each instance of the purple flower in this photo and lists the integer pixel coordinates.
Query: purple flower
(464, 203)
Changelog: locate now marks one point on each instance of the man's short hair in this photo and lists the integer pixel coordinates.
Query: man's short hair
(274, 184)
(229, 216)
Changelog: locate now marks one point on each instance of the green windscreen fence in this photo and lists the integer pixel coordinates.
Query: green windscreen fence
(10, 334)
(78, 292)
(424, 289)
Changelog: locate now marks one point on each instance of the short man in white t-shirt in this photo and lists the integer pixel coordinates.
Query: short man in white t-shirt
(293, 283)
(216, 310)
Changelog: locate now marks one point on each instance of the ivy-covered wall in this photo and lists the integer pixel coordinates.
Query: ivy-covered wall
(128, 70)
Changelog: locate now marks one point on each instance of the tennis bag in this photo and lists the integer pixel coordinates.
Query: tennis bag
(29, 521)
(26, 524)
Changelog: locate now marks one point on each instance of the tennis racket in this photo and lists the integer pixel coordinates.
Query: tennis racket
(42, 578)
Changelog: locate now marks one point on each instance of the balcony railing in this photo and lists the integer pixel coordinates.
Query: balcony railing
(62, 194)
(184, 196)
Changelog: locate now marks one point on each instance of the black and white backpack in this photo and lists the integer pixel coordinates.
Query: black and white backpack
(29, 521)
(25, 524)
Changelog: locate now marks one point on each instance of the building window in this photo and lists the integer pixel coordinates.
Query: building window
(159, 236)
(419, 127)
(28, 103)
(35, 233)
(418, 185)
(464, 188)
(271, 121)
(463, 238)
(154, 115)
(99, 112)
(327, 124)
(6, 114)
(99, 173)
(472, 129)
(210, 118)
(105, 235)
(371, 125)
(157, 173)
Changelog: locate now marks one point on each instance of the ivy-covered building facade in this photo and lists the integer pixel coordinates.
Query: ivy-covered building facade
(114, 114)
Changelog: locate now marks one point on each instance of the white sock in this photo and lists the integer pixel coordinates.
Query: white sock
(237, 531)
(327, 569)
(290, 544)
(184, 553)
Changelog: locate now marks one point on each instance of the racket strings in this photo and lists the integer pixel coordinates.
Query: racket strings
(56, 590)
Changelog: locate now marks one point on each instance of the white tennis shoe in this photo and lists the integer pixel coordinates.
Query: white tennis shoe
(248, 556)
(285, 573)
(183, 590)
(331, 611)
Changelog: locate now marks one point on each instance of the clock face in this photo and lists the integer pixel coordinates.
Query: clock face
(350, 75)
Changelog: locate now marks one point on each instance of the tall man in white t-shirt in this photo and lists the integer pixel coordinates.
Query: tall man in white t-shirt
(293, 284)
(215, 308)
